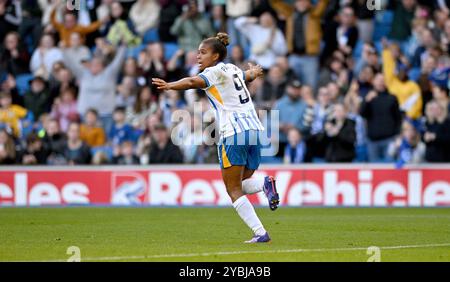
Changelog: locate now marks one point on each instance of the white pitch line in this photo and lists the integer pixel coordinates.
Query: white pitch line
(322, 250)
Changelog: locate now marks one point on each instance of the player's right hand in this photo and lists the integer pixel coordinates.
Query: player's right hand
(160, 84)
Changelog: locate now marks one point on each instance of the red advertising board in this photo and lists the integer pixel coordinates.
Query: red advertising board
(427, 186)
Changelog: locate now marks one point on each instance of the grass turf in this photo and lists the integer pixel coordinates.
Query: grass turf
(142, 234)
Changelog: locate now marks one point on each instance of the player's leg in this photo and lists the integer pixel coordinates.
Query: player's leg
(251, 185)
(232, 177)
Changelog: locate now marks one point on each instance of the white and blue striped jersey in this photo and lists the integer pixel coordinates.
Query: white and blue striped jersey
(228, 94)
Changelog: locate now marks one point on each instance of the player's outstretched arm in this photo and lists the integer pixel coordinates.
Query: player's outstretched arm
(193, 82)
(253, 72)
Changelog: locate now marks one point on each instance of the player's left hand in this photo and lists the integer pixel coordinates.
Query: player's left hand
(160, 84)
(257, 70)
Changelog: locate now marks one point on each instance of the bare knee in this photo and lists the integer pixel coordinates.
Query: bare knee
(235, 193)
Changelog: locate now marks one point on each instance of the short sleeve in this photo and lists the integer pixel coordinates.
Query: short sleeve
(210, 76)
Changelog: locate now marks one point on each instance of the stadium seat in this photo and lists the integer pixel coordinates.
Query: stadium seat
(150, 36)
(357, 51)
(134, 52)
(169, 50)
(107, 150)
(383, 22)
(22, 82)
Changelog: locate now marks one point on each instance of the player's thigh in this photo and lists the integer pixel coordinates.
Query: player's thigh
(247, 173)
(232, 177)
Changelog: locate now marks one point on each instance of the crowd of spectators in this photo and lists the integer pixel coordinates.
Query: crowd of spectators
(352, 82)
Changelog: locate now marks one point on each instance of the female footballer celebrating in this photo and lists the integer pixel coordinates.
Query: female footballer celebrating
(239, 146)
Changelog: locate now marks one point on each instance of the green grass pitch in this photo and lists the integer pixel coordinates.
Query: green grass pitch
(217, 234)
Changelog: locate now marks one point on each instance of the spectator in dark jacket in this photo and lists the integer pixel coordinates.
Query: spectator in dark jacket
(340, 136)
(126, 155)
(53, 138)
(162, 150)
(37, 100)
(381, 111)
(342, 35)
(437, 133)
(34, 153)
(13, 56)
(75, 151)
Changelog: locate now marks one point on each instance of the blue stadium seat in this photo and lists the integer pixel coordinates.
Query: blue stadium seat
(105, 149)
(357, 52)
(150, 36)
(22, 82)
(383, 23)
(169, 50)
(134, 51)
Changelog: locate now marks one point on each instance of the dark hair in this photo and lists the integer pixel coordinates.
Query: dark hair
(92, 111)
(120, 109)
(219, 44)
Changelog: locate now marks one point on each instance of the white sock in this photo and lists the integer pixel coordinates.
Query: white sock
(252, 185)
(246, 211)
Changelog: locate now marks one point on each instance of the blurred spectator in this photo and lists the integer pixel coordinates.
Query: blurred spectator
(61, 81)
(295, 151)
(218, 18)
(126, 155)
(441, 95)
(415, 68)
(34, 153)
(273, 86)
(65, 108)
(137, 114)
(366, 21)
(97, 85)
(428, 66)
(303, 36)
(37, 100)
(398, 83)
(341, 35)
(77, 51)
(437, 133)
(162, 150)
(45, 56)
(237, 57)
(7, 148)
(291, 110)
(235, 9)
(190, 138)
(100, 158)
(53, 138)
(191, 27)
(10, 16)
(307, 97)
(266, 40)
(403, 15)
(75, 151)
(381, 112)
(170, 10)
(145, 15)
(13, 56)
(121, 131)
(352, 103)
(126, 92)
(90, 131)
(322, 110)
(33, 19)
(70, 25)
(120, 29)
(368, 58)
(340, 136)
(407, 148)
(10, 114)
